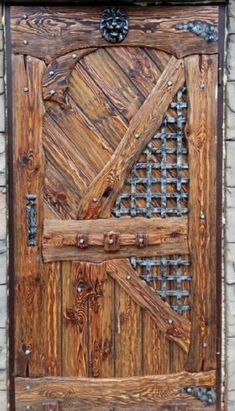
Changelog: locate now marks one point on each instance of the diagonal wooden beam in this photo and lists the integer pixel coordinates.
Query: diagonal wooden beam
(175, 327)
(103, 191)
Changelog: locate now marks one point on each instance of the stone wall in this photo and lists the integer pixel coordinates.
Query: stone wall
(230, 209)
(229, 215)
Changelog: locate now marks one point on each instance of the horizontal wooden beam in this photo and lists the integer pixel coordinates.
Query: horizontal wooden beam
(160, 236)
(88, 393)
(53, 32)
(176, 327)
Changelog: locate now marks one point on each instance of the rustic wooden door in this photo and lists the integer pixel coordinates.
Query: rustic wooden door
(114, 133)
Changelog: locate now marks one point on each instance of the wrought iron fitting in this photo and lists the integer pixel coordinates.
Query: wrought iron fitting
(114, 25)
(207, 395)
(203, 29)
(31, 214)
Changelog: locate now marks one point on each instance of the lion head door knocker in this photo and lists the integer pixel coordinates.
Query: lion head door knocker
(114, 25)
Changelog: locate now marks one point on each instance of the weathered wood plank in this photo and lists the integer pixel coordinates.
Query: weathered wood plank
(201, 78)
(121, 91)
(134, 391)
(101, 322)
(128, 334)
(60, 242)
(75, 319)
(71, 28)
(178, 329)
(108, 183)
(28, 111)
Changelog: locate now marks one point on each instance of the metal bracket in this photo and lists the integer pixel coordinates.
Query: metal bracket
(31, 213)
(50, 406)
(207, 395)
(111, 241)
(82, 240)
(141, 240)
(208, 31)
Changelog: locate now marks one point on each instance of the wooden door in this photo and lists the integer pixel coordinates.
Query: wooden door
(114, 123)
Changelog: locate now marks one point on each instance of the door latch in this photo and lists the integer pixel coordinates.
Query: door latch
(31, 215)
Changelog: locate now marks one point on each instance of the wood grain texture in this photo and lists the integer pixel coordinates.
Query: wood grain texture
(163, 237)
(143, 295)
(202, 142)
(57, 74)
(134, 391)
(71, 28)
(147, 120)
(28, 111)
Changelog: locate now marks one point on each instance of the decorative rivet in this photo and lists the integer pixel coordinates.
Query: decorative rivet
(52, 92)
(204, 345)
(79, 290)
(128, 277)
(25, 89)
(137, 135)
(27, 351)
(51, 72)
(28, 387)
(170, 321)
(202, 216)
(111, 241)
(25, 16)
(25, 42)
(202, 86)
(82, 241)
(94, 200)
(74, 56)
(169, 83)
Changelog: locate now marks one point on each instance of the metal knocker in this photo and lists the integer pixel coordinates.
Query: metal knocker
(114, 25)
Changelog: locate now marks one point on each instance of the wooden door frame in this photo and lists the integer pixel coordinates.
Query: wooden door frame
(11, 199)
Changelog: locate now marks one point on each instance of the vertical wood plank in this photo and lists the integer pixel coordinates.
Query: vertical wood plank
(51, 311)
(75, 289)
(128, 335)
(28, 112)
(201, 79)
(101, 322)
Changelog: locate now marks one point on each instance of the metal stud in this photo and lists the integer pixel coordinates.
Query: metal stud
(25, 42)
(202, 216)
(137, 136)
(51, 72)
(204, 345)
(27, 351)
(25, 16)
(28, 387)
(52, 92)
(74, 56)
(111, 241)
(128, 277)
(170, 321)
(79, 290)
(94, 200)
(28, 407)
(202, 86)
(82, 241)
(169, 83)
(25, 89)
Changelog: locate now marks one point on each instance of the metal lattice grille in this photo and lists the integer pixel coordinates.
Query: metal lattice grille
(169, 277)
(158, 181)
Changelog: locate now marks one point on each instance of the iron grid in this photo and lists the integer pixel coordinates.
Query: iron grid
(162, 190)
(169, 277)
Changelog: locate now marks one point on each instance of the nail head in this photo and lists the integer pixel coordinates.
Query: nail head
(25, 42)
(25, 89)
(169, 83)
(128, 277)
(52, 92)
(94, 200)
(74, 56)
(170, 321)
(137, 135)
(51, 72)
